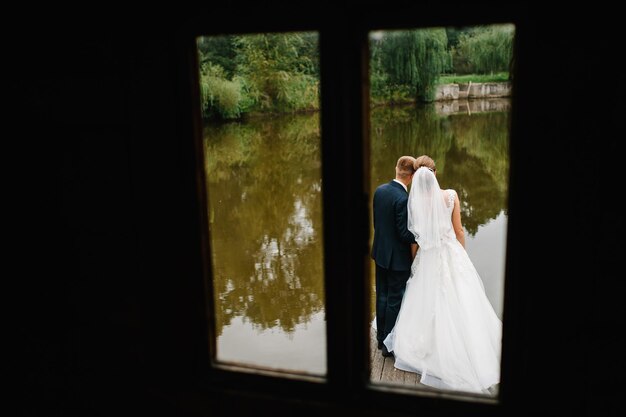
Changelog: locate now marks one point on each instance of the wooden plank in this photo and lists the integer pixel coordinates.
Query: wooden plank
(383, 370)
(376, 360)
(409, 378)
(391, 374)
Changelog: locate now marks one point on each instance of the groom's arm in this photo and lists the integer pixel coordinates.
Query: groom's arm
(402, 219)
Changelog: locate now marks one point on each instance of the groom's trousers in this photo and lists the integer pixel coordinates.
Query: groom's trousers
(390, 287)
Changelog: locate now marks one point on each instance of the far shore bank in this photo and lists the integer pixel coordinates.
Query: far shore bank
(449, 99)
(472, 90)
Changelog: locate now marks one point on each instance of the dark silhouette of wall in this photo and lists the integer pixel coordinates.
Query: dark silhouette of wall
(104, 209)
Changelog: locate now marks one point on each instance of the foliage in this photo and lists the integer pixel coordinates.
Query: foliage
(407, 65)
(220, 96)
(279, 72)
(484, 50)
(413, 59)
(475, 78)
(262, 73)
(279, 76)
(218, 50)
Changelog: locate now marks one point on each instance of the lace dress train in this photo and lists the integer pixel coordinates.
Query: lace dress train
(447, 330)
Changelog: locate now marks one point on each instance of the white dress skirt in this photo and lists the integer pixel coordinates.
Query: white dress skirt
(446, 330)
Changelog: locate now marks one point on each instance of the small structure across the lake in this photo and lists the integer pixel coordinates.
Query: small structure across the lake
(472, 90)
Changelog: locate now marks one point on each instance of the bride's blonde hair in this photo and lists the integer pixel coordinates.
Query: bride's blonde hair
(424, 161)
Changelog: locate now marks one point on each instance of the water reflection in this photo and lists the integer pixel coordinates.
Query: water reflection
(301, 349)
(264, 187)
(471, 149)
(487, 249)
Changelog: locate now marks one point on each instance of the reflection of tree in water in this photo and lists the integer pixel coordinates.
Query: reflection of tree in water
(471, 153)
(266, 232)
(405, 130)
(480, 198)
(486, 137)
(478, 166)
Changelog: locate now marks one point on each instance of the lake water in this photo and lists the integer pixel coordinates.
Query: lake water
(264, 187)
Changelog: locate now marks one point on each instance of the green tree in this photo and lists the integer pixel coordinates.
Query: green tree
(308, 53)
(266, 72)
(221, 97)
(415, 59)
(281, 77)
(218, 50)
(485, 49)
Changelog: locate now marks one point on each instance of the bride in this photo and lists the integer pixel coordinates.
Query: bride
(446, 330)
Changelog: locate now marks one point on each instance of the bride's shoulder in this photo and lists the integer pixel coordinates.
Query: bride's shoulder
(451, 194)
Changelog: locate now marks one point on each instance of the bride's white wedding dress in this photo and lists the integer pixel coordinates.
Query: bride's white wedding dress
(447, 330)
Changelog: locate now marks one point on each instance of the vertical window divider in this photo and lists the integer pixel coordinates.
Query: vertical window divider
(346, 231)
(190, 40)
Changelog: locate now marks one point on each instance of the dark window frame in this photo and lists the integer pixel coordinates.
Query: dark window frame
(345, 151)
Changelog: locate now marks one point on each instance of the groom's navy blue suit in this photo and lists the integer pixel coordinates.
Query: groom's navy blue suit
(391, 251)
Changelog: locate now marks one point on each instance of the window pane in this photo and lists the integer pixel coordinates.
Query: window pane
(444, 93)
(260, 104)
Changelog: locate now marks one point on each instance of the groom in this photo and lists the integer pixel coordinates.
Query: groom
(391, 249)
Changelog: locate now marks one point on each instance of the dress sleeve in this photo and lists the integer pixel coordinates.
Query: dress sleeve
(451, 197)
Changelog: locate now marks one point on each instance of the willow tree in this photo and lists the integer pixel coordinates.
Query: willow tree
(281, 70)
(218, 50)
(487, 49)
(415, 58)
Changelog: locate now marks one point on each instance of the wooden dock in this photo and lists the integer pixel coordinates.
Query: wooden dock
(384, 371)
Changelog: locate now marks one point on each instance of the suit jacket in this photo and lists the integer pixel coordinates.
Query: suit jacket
(391, 247)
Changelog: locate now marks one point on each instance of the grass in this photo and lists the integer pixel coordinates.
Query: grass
(475, 78)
